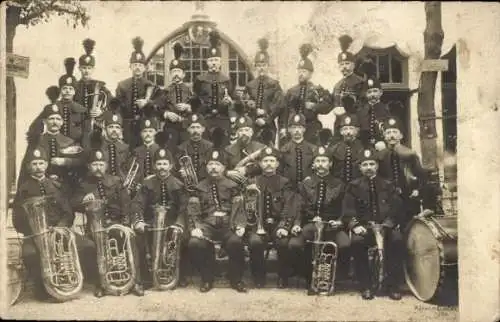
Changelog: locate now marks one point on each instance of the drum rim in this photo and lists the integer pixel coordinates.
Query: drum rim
(440, 247)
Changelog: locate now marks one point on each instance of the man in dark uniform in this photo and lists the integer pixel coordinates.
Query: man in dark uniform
(160, 189)
(60, 215)
(277, 219)
(264, 93)
(321, 197)
(213, 90)
(132, 94)
(74, 115)
(305, 98)
(373, 113)
(178, 107)
(220, 218)
(402, 166)
(86, 87)
(196, 147)
(98, 184)
(297, 155)
(371, 198)
(347, 152)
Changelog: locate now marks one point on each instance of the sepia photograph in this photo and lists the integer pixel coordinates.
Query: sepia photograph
(248, 160)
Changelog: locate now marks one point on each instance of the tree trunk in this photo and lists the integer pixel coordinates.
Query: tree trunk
(11, 23)
(433, 40)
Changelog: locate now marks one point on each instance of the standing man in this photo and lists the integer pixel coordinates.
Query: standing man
(264, 93)
(132, 93)
(277, 219)
(178, 107)
(297, 155)
(220, 218)
(402, 166)
(305, 98)
(321, 197)
(165, 190)
(371, 198)
(213, 90)
(89, 90)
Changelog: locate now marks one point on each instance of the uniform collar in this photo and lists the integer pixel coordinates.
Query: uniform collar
(39, 179)
(298, 143)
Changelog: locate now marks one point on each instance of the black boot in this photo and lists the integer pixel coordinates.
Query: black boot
(138, 289)
(205, 287)
(98, 292)
(282, 282)
(239, 287)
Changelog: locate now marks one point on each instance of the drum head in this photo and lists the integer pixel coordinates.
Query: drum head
(422, 266)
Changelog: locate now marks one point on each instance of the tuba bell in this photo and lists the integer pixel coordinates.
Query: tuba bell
(61, 271)
(189, 177)
(166, 251)
(115, 258)
(324, 263)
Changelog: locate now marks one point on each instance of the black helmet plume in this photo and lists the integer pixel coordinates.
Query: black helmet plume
(53, 93)
(325, 135)
(88, 46)
(69, 65)
(305, 50)
(138, 43)
(218, 137)
(345, 41)
(178, 50)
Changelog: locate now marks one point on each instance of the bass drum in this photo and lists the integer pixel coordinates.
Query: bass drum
(15, 269)
(430, 268)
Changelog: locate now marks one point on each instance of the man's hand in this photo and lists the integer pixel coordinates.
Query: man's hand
(183, 107)
(141, 102)
(317, 218)
(414, 193)
(88, 197)
(182, 172)
(380, 145)
(57, 161)
(261, 112)
(251, 104)
(178, 228)
(309, 105)
(140, 227)
(95, 113)
(226, 100)
(339, 110)
(260, 121)
(197, 233)
(240, 231)
(281, 233)
(335, 223)
(235, 175)
(359, 230)
(283, 133)
(54, 177)
(172, 117)
(296, 230)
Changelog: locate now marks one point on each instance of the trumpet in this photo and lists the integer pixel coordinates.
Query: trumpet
(129, 180)
(189, 174)
(99, 101)
(254, 207)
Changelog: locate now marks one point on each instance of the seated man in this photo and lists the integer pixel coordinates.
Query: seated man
(220, 218)
(367, 199)
(320, 200)
(60, 215)
(163, 189)
(277, 218)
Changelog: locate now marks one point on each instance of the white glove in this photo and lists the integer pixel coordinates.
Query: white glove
(251, 104)
(339, 110)
(334, 223)
(240, 231)
(88, 197)
(171, 116)
(141, 102)
(140, 227)
(57, 161)
(359, 230)
(260, 112)
(197, 233)
(235, 175)
(260, 121)
(281, 233)
(183, 107)
(179, 228)
(296, 230)
(317, 218)
(414, 194)
(380, 145)
(309, 105)
(283, 132)
(95, 113)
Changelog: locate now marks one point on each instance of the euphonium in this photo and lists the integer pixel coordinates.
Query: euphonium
(189, 177)
(166, 251)
(254, 207)
(376, 256)
(129, 180)
(99, 101)
(61, 271)
(115, 260)
(324, 263)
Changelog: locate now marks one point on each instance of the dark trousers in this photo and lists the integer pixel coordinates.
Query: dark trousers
(393, 253)
(258, 245)
(301, 250)
(202, 253)
(31, 258)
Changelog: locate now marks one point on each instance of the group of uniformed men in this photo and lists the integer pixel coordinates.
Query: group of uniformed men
(357, 174)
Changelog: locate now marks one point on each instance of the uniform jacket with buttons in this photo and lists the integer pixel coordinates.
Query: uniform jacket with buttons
(344, 167)
(320, 197)
(84, 91)
(144, 156)
(197, 151)
(268, 95)
(211, 102)
(227, 190)
(125, 93)
(381, 111)
(176, 93)
(312, 93)
(278, 196)
(357, 208)
(288, 161)
(58, 210)
(120, 158)
(352, 83)
(168, 192)
(405, 161)
(117, 199)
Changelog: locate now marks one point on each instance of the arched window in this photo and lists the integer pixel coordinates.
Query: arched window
(392, 66)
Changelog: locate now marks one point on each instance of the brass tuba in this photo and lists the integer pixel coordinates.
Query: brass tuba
(61, 271)
(189, 177)
(376, 256)
(166, 251)
(99, 101)
(324, 262)
(115, 260)
(254, 207)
